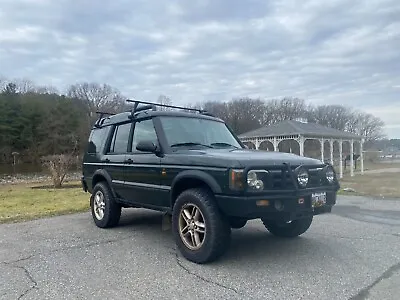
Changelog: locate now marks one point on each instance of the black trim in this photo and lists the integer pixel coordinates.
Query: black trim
(142, 205)
(200, 175)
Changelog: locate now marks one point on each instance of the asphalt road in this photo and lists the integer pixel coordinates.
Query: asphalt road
(353, 253)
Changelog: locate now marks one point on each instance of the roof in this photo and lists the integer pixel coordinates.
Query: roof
(292, 127)
(125, 116)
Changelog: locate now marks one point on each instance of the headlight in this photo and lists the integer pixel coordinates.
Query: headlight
(302, 176)
(253, 180)
(330, 174)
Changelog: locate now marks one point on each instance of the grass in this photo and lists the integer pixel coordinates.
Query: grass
(23, 202)
(383, 185)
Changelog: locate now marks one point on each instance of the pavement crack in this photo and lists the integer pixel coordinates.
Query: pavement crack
(364, 293)
(83, 246)
(187, 270)
(33, 282)
(19, 260)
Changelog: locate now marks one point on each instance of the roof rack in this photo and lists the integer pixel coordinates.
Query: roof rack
(100, 119)
(153, 106)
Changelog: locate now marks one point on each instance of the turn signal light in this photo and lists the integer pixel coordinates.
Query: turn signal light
(262, 203)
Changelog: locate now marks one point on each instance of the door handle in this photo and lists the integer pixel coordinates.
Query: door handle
(129, 161)
(107, 160)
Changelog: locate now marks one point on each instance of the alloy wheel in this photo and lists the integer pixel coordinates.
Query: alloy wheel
(192, 227)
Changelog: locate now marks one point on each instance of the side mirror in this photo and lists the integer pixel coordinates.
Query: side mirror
(146, 146)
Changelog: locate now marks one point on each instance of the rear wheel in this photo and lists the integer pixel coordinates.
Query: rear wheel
(201, 232)
(288, 229)
(105, 211)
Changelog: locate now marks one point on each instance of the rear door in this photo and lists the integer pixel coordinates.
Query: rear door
(114, 159)
(143, 169)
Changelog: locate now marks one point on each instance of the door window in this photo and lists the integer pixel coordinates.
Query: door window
(144, 131)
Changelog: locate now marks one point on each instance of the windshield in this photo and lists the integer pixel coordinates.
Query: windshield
(191, 132)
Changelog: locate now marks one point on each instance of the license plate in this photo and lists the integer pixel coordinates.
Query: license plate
(318, 199)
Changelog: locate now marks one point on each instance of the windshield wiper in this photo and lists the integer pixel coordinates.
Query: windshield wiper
(224, 145)
(190, 144)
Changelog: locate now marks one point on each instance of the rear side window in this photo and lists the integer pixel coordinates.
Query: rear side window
(97, 139)
(119, 143)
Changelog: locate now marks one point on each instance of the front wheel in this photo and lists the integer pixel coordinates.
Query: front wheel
(288, 229)
(201, 232)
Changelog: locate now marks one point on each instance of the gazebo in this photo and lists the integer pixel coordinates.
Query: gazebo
(297, 134)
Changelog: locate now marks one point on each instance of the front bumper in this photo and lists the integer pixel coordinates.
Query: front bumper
(294, 206)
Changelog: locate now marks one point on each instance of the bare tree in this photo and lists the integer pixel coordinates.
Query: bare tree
(25, 86)
(333, 116)
(164, 100)
(368, 126)
(97, 97)
(284, 109)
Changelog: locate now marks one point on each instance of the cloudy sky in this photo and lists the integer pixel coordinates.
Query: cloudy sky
(334, 51)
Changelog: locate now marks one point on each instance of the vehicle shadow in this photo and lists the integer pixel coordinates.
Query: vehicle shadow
(250, 245)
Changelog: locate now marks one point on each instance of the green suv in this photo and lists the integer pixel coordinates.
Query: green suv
(191, 166)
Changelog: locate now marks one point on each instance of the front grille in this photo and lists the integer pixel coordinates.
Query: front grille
(281, 179)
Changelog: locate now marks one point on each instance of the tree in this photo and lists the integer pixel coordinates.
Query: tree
(334, 116)
(96, 97)
(164, 100)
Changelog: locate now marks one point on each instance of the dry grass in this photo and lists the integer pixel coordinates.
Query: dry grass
(384, 185)
(22, 202)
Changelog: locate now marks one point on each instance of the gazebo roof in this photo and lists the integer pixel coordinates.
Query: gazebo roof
(292, 127)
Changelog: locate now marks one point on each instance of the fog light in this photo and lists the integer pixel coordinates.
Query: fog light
(278, 205)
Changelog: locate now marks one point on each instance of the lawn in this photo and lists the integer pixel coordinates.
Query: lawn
(383, 185)
(22, 202)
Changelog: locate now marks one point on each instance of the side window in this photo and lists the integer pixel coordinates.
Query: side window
(144, 131)
(119, 143)
(97, 139)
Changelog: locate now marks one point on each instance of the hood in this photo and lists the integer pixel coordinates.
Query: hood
(247, 157)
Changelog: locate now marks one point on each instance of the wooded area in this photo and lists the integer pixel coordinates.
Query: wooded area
(39, 121)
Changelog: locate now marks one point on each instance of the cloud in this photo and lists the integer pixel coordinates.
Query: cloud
(327, 52)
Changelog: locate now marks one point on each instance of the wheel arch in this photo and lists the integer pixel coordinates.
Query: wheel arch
(102, 175)
(192, 179)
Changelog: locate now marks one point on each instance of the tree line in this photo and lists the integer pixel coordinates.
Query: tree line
(36, 121)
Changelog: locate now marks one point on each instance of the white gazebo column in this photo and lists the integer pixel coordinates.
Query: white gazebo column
(351, 158)
(341, 158)
(362, 156)
(275, 144)
(301, 143)
(322, 141)
(331, 150)
(257, 144)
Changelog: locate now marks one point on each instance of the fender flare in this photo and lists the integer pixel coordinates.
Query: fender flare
(196, 174)
(104, 174)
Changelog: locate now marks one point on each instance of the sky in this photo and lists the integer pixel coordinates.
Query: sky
(327, 52)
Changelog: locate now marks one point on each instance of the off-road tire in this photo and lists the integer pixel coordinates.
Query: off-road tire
(112, 210)
(288, 230)
(217, 227)
(237, 223)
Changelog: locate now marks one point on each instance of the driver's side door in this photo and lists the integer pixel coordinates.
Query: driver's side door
(143, 169)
